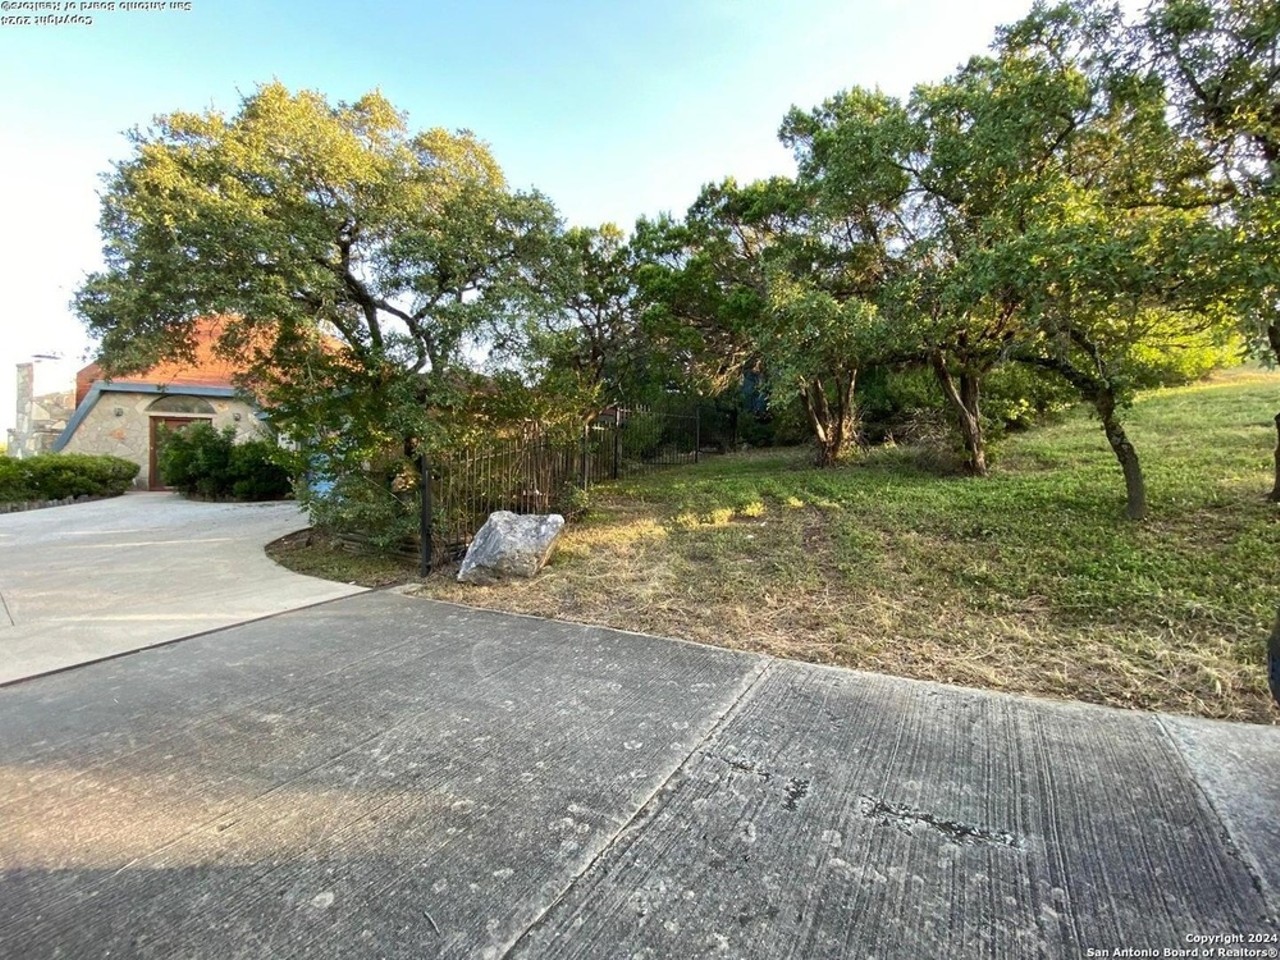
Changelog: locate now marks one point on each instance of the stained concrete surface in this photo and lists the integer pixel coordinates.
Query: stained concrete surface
(91, 580)
(382, 776)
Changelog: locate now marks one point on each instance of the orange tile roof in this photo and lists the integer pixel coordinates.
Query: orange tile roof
(208, 369)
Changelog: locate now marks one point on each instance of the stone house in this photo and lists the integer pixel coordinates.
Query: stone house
(124, 416)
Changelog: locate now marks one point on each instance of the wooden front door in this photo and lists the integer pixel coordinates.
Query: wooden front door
(167, 423)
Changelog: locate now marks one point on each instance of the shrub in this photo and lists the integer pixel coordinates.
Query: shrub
(1178, 360)
(367, 505)
(15, 480)
(1018, 396)
(209, 463)
(572, 502)
(642, 437)
(254, 473)
(57, 476)
(194, 460)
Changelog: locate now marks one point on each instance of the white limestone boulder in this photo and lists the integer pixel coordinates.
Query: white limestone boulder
(510, 545)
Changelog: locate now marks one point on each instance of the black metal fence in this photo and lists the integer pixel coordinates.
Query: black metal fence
(543, 471)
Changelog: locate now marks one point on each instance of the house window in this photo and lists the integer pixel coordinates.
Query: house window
(177, 403)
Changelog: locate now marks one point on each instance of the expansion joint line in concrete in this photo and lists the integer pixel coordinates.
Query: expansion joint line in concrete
(1224, 832)
(4, 604)
(651, 802)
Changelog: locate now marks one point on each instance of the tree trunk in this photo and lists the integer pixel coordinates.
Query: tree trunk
(832, 428)
(1273, 660)
(817, 422)
(964, 401)
(1135, 487)
(971, 429)
(1275, 488)
(1097, 389)
(1273, 337)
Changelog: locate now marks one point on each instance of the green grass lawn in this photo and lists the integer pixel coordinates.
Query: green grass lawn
(1030, 580)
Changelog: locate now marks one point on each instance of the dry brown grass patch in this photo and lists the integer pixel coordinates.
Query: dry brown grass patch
(776, 582)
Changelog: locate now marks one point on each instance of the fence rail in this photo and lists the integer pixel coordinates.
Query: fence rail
(541, 471)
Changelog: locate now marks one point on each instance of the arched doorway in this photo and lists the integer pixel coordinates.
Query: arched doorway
(169, 413)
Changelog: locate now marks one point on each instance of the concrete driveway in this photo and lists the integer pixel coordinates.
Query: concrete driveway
(382, 776)
(92, 580)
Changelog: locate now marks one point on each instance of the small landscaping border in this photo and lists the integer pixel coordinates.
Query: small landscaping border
(21, 506)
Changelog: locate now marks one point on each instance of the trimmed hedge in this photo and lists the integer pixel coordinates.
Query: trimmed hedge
(59, 476)
(202, 461)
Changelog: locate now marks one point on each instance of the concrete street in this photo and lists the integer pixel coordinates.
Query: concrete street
(91, 580)
(384, 776)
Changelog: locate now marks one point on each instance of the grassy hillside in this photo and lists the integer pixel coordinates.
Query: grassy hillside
(1030, 580)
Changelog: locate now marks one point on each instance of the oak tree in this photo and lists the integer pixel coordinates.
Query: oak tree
(352, 259)
(1221, 61)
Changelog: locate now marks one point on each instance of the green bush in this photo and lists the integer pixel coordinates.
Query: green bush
(1177, 361)
(642, 437)
(1019, 396)
(57, 476)
(572, 502)
(206, 462)
(369, 505)
(15, 480)
(908, 404)
(255, 475)
(194, 460)
(780, 424)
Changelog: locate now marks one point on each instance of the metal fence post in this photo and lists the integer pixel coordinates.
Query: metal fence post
(586, 429)
(424, 518)
(617, 438)
(697, 431)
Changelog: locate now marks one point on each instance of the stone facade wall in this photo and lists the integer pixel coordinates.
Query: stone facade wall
(128, 434)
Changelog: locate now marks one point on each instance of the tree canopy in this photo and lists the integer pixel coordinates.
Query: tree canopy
(1221, 63)
(353, 259)
(1090, 202)
(1040, 204)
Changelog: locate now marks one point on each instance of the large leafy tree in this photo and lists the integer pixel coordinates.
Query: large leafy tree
(701, 287)
(1116, 257)
(1035, 204)
(769, 279)
(829, 281)
(583, 339)
(935, 183)
(352, 259)
(1104, 297)
(988, 136)
(958, 172)
(1221, 60)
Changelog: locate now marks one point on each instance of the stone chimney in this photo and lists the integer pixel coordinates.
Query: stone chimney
(20, 435)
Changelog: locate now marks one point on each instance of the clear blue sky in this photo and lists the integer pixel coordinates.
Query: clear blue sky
(613, 108)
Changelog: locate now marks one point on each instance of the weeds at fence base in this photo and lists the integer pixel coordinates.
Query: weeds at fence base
(541, 471)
